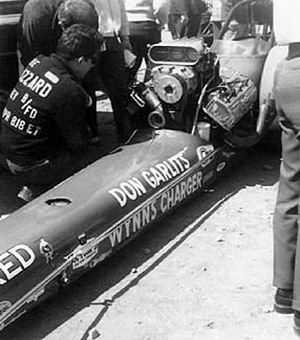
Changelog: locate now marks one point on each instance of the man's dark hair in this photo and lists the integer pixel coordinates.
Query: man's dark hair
(72, 12)
(79, 41)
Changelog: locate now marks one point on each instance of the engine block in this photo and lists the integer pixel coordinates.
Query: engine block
(231, 101)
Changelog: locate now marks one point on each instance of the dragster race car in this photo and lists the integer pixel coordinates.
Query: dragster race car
(200, 108)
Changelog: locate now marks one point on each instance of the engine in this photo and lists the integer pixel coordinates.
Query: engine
(230, 102)
(178, 70)
(177, 96)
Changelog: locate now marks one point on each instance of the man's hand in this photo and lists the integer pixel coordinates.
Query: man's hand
(126, 42)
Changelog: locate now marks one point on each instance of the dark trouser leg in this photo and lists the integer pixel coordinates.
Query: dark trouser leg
(193, 25)
(154, 37)
(133, 71)
(296, 300)
(58, 169)
(172, 25)
(42, 176)
(176, 26)
(113, 72)
(139, 48)
(147, 33)
(286, 217)
(3, 163)
(52, 172)
(286, 211)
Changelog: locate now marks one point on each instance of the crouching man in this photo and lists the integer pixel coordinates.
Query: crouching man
(43, 127)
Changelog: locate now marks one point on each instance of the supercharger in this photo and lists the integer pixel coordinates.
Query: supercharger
(172, 83)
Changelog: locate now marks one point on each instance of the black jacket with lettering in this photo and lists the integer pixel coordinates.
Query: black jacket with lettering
(45, 113)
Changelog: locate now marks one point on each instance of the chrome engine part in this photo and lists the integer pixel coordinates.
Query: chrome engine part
(171, 83)
(144, 98)
(188, 52)
(231, 101)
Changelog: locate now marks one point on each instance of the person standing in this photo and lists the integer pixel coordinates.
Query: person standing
(38, 29)
(218, 15)
(286, 274)
(146, 19)
(177, 18)
(196, 8)
(113, 24)
(42, 23)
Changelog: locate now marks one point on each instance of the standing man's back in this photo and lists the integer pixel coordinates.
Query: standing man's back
(38, 24)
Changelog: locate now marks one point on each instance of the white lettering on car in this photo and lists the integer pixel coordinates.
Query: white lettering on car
(131, 189)
(154, 177)
(153, 209)
(133, 224)
(14, 261)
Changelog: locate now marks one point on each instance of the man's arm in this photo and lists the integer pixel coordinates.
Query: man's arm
(124, 30)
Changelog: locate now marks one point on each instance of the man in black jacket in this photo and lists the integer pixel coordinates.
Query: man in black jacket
(40, 27)
(43, 125)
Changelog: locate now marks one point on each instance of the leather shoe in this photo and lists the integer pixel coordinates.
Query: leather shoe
(297, 322)
(283, 301)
